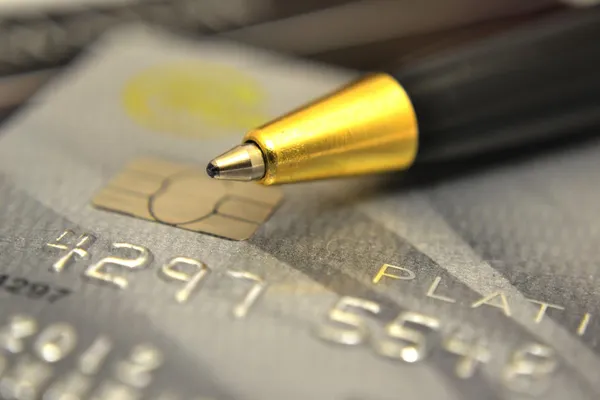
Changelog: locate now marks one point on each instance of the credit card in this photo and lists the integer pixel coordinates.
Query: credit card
(480, 285)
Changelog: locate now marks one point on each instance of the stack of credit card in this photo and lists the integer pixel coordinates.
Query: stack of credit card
(126, 274)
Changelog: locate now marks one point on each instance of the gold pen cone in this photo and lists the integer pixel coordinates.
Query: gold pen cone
(366, 127)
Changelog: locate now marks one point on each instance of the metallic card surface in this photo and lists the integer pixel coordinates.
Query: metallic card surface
(478, 286)
(183, 196)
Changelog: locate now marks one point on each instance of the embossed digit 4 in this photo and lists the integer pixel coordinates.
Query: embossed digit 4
(471, 353)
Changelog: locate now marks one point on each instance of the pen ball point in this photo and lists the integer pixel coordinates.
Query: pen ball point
(212, 170)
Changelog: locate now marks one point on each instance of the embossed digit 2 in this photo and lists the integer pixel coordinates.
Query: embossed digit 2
(98, 272)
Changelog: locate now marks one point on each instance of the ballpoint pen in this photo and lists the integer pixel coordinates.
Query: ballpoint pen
(530, 84)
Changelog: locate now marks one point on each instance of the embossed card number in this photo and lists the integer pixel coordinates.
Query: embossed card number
(186, 272)
(410, 337)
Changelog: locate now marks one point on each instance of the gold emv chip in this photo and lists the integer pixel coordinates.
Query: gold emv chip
(183, 196)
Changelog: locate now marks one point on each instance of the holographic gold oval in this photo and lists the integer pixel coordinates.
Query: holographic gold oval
(366, 127)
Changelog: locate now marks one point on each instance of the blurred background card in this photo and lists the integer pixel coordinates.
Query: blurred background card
(42, 35)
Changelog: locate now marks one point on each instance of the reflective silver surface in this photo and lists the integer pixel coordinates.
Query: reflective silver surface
(242, 163)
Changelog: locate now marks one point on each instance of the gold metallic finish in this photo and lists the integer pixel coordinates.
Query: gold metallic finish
(366, 127)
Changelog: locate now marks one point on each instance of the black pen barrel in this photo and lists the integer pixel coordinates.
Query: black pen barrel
(533, 83)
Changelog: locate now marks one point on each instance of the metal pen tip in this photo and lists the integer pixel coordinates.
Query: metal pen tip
(242, 163)
(212, 170)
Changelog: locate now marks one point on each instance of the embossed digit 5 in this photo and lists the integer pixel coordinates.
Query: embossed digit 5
(97, 271)
(345, 324)
(406, 343)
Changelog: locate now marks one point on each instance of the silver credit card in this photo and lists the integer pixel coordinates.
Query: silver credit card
(481, 286)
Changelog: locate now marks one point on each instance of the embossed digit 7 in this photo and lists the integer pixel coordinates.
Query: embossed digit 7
(356, 330)
(97, 272)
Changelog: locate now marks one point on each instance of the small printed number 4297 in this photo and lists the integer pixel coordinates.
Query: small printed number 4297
(33, 290)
